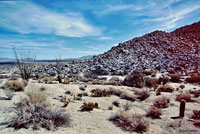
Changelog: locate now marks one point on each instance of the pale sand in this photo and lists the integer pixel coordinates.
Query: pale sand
(96, 122)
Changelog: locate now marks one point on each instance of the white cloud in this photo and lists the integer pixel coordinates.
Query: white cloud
(113, 8)
(173, 17)
(105, 38)
(27, 18)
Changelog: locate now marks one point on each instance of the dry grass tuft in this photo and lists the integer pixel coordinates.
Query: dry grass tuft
(37, 98)
(154, 112)
(16, 85)
(161, 102)
(130, 122)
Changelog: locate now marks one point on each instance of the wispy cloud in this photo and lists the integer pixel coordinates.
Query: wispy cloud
(113, 8)
(26, 18)
(105, 38)
(170, 20)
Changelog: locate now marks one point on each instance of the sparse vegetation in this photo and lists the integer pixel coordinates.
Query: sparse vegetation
(32, 113)
(130, 122)
(143, 95)
(161, 102)
(25, 62)
(137, 79)
(89, 106)
(127, 96)
(196, 114)
(166, 88)
(100, 93)
(175, 78)
(195, 78)
(186, 96)
(126, 106)
(154, 112)
(16, 85)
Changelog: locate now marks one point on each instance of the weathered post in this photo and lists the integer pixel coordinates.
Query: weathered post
(182, 108)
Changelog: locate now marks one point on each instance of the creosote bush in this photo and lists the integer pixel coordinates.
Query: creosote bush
(175, 78)
(196, 114)
(195, 78)
(130, 122)
(29, 113)
(16, 85)
(89, 106)
(161, 102)
(100, 93)
(154, 112)
(166, 88)
(142, 95)
(137, 79)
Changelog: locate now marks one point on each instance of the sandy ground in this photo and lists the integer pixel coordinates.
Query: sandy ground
(96, 121)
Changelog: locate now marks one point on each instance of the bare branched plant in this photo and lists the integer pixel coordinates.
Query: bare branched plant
(58, 68)
(25, 62)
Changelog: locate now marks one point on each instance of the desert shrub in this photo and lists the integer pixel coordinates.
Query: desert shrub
(142, 95)
(136, 79)
(16, 85)
(166, 88)
(175, 78)
(150, 82)
(186, 96)
(88, 106)
(154, 112)
(196, 114)
(148, 72)
(100, 93)
(37, 98)
(161, 102)
(163, 80)
(127, 96)
(126, 106)
(130, 122)
(68, 92)
(116, 103)
(196, 93)
(158, 92)
(182, 86)
(35, 116)
(193, 79)
(115, 92)
(65, 81)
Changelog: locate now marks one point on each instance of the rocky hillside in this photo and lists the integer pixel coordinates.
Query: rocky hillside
(157, 50)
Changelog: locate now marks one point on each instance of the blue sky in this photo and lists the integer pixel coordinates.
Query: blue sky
(74, 28)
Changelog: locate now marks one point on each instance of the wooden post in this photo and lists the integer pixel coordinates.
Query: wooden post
(182, 108)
